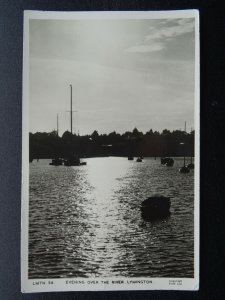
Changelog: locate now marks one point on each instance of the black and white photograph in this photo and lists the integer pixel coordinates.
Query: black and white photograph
(110, 188)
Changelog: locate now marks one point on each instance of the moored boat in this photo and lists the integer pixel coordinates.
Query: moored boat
(168, 161)
(72, 160)
(191, 165)
(56, 162)
(184, 170)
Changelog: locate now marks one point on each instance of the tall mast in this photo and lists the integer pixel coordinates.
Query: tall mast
(57, 125)
(191, 149)
(185, 144)
(71, 109)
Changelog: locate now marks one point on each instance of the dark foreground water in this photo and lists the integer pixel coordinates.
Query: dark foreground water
(86, 222)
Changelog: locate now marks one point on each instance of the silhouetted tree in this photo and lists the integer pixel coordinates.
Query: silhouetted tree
(135, 143)
(95, 135)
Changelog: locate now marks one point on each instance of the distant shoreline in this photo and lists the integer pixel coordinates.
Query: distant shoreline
(133, 143)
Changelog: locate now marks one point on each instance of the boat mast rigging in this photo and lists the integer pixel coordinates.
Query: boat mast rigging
(71, 109)
(57, 125)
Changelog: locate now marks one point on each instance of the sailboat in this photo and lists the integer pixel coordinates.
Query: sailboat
(57, 161)
(72, 160)
(191, 165)
(167, 161)
(184, 169)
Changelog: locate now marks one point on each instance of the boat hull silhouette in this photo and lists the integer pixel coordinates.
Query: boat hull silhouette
(184, 170)
(56, 162)
(72, 161)
(191, 166)
(168, 161)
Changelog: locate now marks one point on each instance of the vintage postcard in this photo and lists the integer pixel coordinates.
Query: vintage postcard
(110, 166)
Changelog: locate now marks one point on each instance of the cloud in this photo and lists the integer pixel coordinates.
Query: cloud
(161, 33)
(146, 48)
(178, 28)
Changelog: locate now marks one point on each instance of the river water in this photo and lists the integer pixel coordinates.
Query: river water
(86, 221)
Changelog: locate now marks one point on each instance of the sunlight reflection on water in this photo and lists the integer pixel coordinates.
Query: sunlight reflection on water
(85, 221)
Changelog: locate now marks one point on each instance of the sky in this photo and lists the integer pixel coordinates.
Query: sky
(125, 74)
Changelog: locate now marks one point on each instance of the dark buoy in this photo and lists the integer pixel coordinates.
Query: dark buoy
(155, 207)
(184, 170)
(139, 159)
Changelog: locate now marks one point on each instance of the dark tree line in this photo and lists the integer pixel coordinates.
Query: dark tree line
(135, 143)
